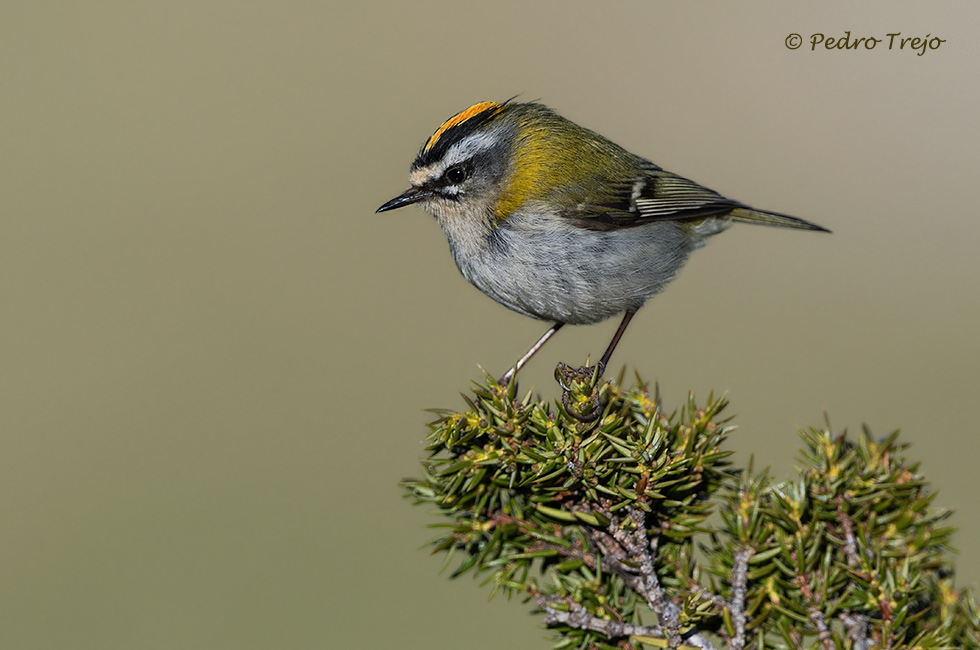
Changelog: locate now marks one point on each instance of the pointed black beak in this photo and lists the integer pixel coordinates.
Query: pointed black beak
(412, 195)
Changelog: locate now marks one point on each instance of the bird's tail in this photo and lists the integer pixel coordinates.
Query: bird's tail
(748, 215)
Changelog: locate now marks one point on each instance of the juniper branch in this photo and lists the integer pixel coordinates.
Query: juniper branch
(579, 617)
(614, 557)
(739, 580)
(850, 542)
(857, 630)
(716, 601)
(593, 518)
(817, 617)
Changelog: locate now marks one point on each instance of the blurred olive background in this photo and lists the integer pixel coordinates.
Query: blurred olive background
(215, 357)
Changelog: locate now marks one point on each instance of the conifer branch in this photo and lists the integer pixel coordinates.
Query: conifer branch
(577, 616)
(850, 542)
(857, 630)
(596, 518)
(739, 580)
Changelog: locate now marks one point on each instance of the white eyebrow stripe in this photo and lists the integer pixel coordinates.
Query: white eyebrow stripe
(469, 147)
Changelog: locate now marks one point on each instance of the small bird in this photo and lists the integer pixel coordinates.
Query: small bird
(559, 223)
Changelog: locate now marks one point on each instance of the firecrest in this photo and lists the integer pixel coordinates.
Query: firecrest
(559, 223)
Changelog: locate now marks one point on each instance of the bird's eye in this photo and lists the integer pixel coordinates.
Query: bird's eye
(456, 175)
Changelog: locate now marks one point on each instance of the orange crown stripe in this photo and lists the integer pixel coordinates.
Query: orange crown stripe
(459, 118)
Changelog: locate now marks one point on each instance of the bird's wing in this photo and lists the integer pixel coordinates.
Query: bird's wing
(656, 195)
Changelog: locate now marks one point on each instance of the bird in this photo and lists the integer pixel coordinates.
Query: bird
(559, 223)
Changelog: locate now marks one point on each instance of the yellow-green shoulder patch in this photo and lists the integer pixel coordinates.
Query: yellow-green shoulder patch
(459, 118)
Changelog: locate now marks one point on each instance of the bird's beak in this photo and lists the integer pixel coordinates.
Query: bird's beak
(411, 195)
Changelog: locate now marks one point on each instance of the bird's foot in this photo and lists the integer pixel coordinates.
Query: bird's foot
(580, 390)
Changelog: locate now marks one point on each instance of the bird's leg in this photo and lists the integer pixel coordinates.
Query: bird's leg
(612, 345)
(530, 353)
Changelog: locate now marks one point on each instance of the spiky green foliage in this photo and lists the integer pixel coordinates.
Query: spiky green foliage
(593, 507)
